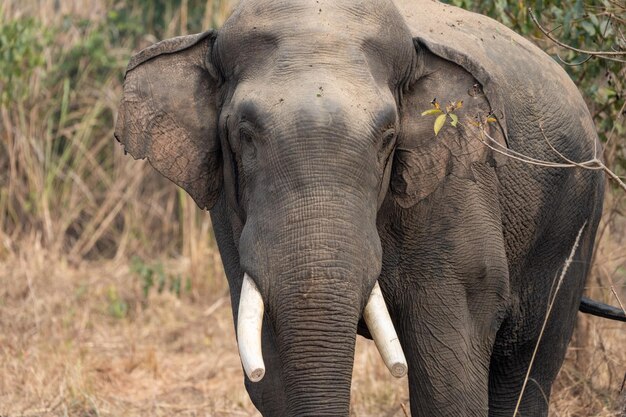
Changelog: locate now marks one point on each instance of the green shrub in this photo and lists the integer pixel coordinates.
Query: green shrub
(22, 42)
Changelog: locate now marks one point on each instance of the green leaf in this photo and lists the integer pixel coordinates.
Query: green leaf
(455, 119)
(439, 122)
(431, 111)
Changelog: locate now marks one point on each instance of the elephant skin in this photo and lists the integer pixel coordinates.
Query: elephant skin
(299, 126)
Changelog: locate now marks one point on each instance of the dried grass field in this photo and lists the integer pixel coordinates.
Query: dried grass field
(112, 295)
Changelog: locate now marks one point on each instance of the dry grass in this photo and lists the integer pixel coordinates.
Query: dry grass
(78, 335)
(65, 348)
(592, 381)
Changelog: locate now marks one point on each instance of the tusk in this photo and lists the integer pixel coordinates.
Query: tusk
(249, 325)
(384, 334)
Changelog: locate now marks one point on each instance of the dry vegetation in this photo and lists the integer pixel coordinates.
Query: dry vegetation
(112, 296)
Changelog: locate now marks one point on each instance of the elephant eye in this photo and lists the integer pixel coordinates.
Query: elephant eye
(245, 136)
(388, 138)
(247, 144)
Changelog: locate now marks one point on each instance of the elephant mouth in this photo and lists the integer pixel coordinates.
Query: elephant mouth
(250, 322)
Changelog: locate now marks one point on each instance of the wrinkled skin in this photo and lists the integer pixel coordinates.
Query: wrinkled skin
(298, 124)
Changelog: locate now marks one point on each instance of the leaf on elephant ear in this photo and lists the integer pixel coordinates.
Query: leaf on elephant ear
(431, 111)
(455, 119)
(439, 122)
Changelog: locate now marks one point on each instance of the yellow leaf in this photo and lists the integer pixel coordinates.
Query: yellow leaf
(491, 119)
(439, 122)
(455, 119)
(431, 111)
(459, 104)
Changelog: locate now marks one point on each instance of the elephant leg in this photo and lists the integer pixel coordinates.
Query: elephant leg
(268, 395)
(519, 334)
(450, 289)
(448, 356)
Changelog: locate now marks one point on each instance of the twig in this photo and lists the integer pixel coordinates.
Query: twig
(213, 307)
(603, 54)
(404, 410)
(611, 174)
(566, 266)
(593, 164)
(580, 165)
(573, 64)
(518, 156)
(617, 298)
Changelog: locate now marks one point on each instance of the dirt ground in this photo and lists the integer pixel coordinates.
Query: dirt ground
(85, 340)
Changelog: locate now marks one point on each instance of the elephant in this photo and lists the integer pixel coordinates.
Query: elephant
(307, 129)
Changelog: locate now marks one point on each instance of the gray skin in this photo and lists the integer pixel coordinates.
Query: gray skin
(298, 125)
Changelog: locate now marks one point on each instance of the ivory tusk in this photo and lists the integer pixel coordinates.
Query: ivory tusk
(249, 327)
(384, 334)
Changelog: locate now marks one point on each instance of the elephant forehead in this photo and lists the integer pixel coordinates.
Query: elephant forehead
(266, 13)
(289, 35)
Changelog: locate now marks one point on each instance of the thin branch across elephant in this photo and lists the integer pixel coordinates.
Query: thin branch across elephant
(338, 211)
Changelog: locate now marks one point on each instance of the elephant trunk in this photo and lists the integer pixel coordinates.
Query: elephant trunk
(313, 251)
(316, 335)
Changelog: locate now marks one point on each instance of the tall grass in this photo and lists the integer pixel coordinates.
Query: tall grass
(64, 182)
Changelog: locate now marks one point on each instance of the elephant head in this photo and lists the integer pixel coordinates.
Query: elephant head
(294, 113)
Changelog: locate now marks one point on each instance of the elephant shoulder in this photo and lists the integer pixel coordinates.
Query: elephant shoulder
(514, 73)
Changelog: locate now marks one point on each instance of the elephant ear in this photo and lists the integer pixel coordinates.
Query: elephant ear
(168, 114)
(433, 145)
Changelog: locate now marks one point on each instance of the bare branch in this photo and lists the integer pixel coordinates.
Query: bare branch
(594, 164)
(617, 298)
(573, 64)
(613, 176)
(611, 55)
(525, 158)
(580, 165)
